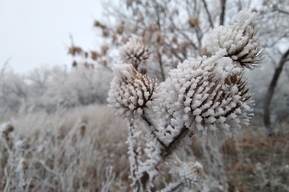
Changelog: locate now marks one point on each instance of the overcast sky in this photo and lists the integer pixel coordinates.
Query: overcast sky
(36, 32)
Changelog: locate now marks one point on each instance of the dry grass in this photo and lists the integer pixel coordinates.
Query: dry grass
(64, 152)
(255, 162)
(73, 151)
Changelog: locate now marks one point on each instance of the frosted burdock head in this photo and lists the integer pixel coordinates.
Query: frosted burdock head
(211, 95)
(135, 52)
(206, 95)
(131, 92)
(238, 40)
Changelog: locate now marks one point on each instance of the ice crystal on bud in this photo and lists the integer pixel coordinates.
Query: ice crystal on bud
(131, 92)
(135, 52)
(238, 40)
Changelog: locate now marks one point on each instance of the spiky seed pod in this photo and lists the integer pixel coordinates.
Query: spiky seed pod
(239, 40)
(190, 174)
(131, 92)
(134, 52)
(207, 95)
(6, 128)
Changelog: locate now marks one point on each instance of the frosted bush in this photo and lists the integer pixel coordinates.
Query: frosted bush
(206, 96)
(136, 53)
(53, 89)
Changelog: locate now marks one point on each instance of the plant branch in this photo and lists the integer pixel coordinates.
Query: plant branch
(176, 142)
(208, 13)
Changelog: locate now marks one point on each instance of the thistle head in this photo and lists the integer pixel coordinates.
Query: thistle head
(207, 96)
(238, 40)
(131, 92)
(135, 52)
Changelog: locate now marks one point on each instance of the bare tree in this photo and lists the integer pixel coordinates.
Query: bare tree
(271, 89)
(174, 29)
(274, 15)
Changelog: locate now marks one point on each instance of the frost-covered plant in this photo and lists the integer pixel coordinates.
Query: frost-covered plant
(190, 175)
(136, 53)
(132, 91)
(206, 96)
(63, 152)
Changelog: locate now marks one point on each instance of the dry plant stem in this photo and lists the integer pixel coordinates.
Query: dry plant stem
(172, 147)
(152, 129)
(173, 187)
(167, 150)
(136, 154)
